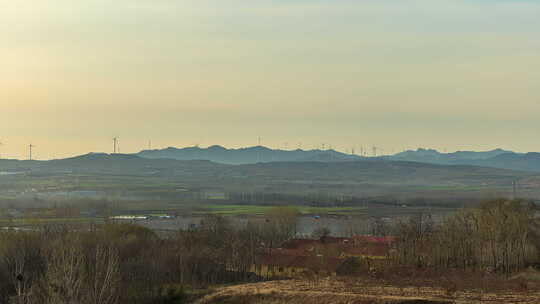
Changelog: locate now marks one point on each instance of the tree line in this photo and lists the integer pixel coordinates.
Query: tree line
(125, 263)
(501, 236)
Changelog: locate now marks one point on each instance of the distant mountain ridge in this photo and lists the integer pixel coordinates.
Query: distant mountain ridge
(249, 155)
(497, 158)
(218, 155)
(431, 155)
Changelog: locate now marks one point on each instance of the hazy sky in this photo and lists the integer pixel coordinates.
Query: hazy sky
(448, 74)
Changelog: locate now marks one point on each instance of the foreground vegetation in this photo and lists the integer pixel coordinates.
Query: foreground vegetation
(124, 263)
(476, 249)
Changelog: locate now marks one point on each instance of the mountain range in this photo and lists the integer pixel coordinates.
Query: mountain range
(498, 158)
(250, 155)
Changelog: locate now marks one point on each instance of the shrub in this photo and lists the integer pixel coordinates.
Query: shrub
(349, 266)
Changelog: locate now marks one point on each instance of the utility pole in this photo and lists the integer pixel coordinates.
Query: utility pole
(115, 143)
(514, 190)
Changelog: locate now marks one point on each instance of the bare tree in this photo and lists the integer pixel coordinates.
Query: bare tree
(103, 276)
(21, 265)
(65, 276)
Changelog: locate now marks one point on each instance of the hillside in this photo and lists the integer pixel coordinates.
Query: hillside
(346, 172)
(102, 163)
(404, 173)
(514, 161)
(310, 180)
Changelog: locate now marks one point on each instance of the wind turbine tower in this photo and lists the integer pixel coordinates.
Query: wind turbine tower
(259, 151)
(30, 147)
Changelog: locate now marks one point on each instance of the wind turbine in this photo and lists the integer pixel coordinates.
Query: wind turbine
(115, 144)
(30, 146)
(259, 150)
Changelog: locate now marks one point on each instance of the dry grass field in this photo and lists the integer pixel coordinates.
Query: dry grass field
(332, 291)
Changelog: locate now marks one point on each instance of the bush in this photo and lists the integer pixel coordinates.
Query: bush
(172, 294)
(321, 233)
(348, 267)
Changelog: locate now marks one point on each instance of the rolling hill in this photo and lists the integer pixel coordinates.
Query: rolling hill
(366, 175)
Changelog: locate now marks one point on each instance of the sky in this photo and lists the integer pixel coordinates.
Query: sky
(396, 74)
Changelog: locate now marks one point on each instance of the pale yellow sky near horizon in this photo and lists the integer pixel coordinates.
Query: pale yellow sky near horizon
(446, 74)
